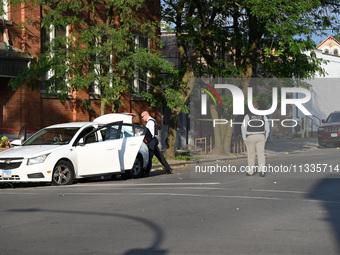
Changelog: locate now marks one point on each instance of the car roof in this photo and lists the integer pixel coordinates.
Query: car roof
(70, 124)
(112, 117)
(103, 119)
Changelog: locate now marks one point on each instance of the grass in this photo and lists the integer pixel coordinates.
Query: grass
(185, 156)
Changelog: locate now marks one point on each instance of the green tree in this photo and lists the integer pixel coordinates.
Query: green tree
(98, 50)
(244, 39)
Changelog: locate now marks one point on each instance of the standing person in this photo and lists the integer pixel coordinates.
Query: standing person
(152, 144)
(255, 131)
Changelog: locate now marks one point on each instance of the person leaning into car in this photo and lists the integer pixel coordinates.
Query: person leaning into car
(152, 144)
(255, 130)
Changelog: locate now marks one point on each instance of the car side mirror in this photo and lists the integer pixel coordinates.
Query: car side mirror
(323, 121)
(16, 142)
(81, 142)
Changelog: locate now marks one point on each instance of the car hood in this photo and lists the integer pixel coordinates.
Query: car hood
(29, 151)
(331, 124)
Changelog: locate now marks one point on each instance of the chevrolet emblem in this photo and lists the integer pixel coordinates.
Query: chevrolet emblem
(7, 161)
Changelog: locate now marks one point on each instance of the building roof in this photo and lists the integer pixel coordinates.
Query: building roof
(329, 40)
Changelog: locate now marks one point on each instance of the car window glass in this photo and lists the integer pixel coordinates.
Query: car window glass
(111, 132)
(83, 133)
(139, 130)
(334, 117)
(130, 130)
(127, 131)
(48, 136)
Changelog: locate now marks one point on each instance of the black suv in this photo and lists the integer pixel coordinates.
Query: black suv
(329, 131)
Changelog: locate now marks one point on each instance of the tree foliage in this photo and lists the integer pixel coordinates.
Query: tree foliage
(99, 48)
(247, 38)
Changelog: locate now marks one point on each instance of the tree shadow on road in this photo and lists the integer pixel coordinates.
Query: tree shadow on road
(327, 191)
(157, 232)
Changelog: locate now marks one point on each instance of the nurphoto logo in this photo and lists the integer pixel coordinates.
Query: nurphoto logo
(238, 100)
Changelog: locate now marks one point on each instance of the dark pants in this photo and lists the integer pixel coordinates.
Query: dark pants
(154, 150)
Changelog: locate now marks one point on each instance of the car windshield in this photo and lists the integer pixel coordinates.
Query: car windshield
(48, 136)
(334, 117)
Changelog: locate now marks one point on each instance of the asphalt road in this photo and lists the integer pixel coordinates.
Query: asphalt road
(184, 213)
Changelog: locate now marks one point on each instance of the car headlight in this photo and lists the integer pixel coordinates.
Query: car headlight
(37, 160)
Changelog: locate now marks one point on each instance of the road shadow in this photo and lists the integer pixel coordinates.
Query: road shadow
(327, 191)
(153, 249)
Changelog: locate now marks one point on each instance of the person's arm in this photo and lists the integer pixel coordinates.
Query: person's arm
(244, 127)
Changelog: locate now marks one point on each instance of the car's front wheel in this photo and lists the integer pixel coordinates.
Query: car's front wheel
(63, 173)
(137, 169)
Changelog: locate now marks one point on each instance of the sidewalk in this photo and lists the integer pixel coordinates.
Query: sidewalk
(275, 147)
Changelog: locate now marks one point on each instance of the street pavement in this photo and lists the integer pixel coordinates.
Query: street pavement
(183, 214)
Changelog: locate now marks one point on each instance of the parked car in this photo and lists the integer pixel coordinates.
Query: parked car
(329, 131)
(61, 153)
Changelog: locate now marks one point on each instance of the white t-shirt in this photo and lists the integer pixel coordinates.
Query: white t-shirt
(151, 125)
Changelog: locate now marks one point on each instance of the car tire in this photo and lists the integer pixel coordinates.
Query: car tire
(63, 173)
(322, 145)
(137, 169)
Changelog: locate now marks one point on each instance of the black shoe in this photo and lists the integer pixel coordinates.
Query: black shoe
(168, 171)
(248, 174)
(262, 174)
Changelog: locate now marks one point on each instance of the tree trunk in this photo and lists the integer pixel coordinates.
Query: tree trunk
(218, 138)
(171, 137)
(227, 134)
(186, 88)
(222, 134)
(102, 106)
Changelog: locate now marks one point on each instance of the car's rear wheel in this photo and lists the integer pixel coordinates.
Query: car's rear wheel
(63, 173)
(137, 169)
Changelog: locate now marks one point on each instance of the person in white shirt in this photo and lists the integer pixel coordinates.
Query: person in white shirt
(153, 144)
(255, 131)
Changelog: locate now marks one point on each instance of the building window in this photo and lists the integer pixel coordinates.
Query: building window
(4, 9)
(326, 51)
(48, 35)
(98, 65)
(140, 81)
(336, 52)
(94, 87)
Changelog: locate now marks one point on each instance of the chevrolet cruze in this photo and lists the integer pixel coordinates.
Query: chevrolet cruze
(62, 153)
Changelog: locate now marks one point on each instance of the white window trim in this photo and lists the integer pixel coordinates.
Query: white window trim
(5, 7)
(96, 89)
(136, 76)
(51, 72)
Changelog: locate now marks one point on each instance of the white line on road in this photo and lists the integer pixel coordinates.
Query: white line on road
(147, 184)
(202, 195)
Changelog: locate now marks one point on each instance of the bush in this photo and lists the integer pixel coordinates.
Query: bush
(4, 142)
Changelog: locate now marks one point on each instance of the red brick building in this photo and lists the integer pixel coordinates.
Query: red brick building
(24, 107)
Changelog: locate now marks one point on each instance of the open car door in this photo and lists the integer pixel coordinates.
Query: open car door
(98, 151)
(132, 138)
(109, 149)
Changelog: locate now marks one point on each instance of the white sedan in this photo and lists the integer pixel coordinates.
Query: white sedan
(64, 152)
